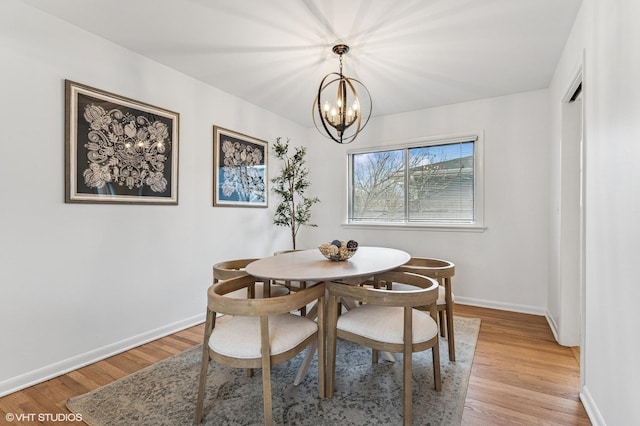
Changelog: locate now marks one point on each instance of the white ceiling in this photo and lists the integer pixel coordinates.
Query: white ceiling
(411, 54)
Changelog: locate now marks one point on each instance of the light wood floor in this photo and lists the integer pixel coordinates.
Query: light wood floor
(520, 376)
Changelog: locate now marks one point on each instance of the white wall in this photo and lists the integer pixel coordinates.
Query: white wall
(78, 282)
(506, 266)
(606, 34)
(564, 220)
(612, 102)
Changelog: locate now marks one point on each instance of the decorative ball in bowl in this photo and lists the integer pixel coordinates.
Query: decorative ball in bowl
(338, 250)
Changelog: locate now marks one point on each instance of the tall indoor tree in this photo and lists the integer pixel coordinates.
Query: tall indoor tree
(291, 184)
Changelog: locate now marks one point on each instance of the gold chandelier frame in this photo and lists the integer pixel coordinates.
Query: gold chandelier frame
(343, 121)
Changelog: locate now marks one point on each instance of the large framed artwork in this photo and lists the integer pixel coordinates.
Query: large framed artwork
(119, 150)
(239, 169)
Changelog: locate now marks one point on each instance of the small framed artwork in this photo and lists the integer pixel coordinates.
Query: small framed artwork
(118, 150)
(239, 169)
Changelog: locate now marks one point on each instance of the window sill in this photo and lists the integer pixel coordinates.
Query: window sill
(470, 227)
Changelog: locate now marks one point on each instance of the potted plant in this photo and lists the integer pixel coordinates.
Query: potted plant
(290, 184)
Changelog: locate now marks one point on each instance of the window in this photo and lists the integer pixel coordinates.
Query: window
(433, 182)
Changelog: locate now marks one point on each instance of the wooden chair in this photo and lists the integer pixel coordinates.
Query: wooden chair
(270, 334)
(228, 269)
(443, 271)
(235, 268)
(386, 321)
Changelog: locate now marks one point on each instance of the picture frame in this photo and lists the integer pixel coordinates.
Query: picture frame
(119, 150)
(240, 169)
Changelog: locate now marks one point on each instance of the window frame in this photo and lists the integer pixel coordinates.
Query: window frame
(478, 167)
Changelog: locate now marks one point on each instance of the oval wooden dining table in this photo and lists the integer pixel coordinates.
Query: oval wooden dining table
(311, 265)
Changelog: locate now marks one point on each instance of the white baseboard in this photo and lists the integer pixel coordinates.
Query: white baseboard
(523, 309)
(591, 408)
(564, 340)
(62, 367)
(553, 326)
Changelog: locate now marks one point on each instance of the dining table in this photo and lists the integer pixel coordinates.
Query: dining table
(311, 266)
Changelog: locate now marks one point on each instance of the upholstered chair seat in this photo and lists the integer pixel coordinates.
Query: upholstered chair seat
(285, 331)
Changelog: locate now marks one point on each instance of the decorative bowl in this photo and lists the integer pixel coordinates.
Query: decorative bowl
(335, 252)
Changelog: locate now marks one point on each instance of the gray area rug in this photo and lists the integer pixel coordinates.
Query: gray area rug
(365, 394)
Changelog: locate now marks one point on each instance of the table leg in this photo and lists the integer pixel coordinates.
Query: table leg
(450, 333)
(306, 363)
(389, 356)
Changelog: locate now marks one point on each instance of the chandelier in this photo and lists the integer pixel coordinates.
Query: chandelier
(341, 118)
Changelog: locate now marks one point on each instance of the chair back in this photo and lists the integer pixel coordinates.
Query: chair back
(230, 269)
(434, 268)
(217, 302)
(425, 295)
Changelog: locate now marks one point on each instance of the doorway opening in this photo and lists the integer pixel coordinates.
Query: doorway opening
(571, 271)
